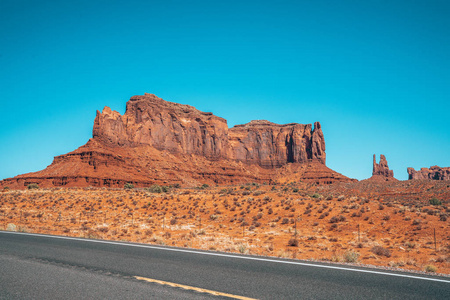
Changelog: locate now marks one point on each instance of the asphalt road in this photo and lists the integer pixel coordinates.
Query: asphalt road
(50, 267)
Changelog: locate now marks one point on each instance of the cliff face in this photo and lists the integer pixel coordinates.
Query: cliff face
(178, 128)
(271, 145)
(156, 141)
(433, 173)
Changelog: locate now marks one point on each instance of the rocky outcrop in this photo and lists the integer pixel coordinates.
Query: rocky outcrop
(272, 145)
(382, 168)
(433, 173)
(149, 120)
(161, 142)
(179, 128)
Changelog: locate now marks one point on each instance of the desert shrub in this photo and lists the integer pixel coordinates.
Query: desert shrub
(337, 219)
(325, 214)
(155, 189)
(386, 217)
(315, 195)
(32, 186)
(430, 268)
(6, 188)
(128, 186)
(334, 219)
(435, 201)
(443, 217)
(410, 245)
(295, 190)
(204, 186)
(293, 243)
(213, 217)
(381, 251)
(380, 207)
(416, 222)
(173, 221)
(103, 229)
(285, 221)
(11, 227)
(351, 256)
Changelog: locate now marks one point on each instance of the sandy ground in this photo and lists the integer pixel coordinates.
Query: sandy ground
(287, 220)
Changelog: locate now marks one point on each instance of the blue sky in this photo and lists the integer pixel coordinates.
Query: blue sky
(376, 74)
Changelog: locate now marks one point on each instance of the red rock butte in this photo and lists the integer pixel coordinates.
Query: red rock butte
(160, 142)
(381, 171)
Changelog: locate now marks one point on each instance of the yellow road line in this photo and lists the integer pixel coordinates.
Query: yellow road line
(187, 287)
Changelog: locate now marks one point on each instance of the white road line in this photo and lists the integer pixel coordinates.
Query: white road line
(228, 255)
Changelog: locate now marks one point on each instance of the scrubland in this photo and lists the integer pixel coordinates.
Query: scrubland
(340, 224)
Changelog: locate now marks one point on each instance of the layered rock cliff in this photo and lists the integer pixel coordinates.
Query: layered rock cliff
(156, 141)
(149, 120)
(433, 173)
(178, 128)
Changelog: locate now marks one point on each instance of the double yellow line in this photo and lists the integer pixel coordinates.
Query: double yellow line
(192, 288)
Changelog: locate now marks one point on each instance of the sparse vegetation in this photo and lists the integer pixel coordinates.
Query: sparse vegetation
(293, 242)
(430, 268)
(379, 250)
(435, 201)
(261, 222)
(128, 186)
(32, 186)
(351, 256)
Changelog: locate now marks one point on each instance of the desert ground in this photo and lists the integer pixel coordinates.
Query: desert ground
(401, 225)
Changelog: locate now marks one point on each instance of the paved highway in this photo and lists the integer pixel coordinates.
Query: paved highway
(51, 267)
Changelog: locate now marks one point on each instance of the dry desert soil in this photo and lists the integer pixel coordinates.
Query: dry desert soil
(390, 225)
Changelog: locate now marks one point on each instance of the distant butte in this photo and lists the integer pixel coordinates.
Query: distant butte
(432, 173)
(161, 142)
(381, 171)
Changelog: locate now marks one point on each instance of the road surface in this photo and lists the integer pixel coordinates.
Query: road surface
(51, 267)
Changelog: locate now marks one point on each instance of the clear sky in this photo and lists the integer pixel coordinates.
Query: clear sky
(376, 74)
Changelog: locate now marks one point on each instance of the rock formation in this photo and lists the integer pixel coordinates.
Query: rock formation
(156, 141)
(381, 172)
(381, 168)
(179, 128)
(272, 145)
(433, 173)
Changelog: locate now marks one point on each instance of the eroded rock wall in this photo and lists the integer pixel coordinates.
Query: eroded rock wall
(178, 128)
(433, 173)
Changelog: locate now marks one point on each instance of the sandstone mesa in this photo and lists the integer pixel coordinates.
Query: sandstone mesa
(160, 142)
